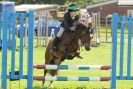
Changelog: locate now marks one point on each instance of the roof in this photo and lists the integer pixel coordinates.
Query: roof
(36, 7)
(125, 2)
(100, 4)
(6, 2)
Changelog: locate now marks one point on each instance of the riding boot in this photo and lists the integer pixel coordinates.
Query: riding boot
(55, 42)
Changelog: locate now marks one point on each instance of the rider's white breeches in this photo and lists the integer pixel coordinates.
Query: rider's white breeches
(59, 34)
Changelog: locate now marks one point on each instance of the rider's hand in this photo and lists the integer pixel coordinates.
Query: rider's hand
(72, 28)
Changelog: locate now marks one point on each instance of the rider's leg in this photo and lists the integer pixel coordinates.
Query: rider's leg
(59, 34)
(57, 37)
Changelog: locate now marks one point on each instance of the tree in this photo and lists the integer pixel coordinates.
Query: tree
(29, 1)
(59, 2)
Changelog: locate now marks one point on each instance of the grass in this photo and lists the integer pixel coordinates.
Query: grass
(97, 56)
(89, 58)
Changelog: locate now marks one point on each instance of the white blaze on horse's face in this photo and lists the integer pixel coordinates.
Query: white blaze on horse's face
(88, 40)
(91, 35)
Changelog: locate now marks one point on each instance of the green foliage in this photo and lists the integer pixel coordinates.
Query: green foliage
(81, 3)
(59, 2)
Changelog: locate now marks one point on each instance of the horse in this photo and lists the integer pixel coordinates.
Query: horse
(67, 47)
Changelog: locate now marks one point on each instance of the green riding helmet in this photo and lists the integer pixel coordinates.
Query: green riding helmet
(73, 7)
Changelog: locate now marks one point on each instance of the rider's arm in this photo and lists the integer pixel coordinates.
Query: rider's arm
(77, 17)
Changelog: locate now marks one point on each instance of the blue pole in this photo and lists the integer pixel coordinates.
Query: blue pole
(4, 50)
(30, 49)
(121, 45)
(114, 49)
(0, 32)
(13, 43)
(21, 31)
(129, 48)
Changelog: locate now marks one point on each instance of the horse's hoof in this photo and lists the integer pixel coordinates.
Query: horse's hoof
(80, 57)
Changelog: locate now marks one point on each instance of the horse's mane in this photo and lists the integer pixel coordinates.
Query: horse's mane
(80, 26)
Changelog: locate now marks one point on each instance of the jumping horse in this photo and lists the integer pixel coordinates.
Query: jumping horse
(67, 47)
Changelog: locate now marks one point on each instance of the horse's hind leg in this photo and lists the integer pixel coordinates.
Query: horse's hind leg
(45, 72)
(53, 73)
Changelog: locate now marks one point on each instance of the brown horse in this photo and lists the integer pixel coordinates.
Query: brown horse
(67, 47)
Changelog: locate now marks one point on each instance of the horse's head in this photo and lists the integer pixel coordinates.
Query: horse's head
(85, 33)
(87, 37)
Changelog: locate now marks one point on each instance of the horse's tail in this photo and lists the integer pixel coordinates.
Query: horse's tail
(48, 51)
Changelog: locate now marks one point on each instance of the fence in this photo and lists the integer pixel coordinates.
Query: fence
(118, 46)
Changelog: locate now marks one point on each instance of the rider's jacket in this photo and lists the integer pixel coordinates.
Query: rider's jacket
(68, 21)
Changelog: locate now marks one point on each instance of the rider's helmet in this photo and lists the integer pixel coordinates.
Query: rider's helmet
(73, 7)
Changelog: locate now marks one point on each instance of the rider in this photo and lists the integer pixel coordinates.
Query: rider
(70, 17)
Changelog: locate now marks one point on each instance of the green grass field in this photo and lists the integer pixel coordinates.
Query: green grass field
(97, 56)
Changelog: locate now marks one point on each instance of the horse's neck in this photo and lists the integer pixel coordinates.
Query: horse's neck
(83, 38)
(76, 37)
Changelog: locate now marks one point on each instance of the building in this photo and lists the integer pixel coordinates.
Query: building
(108, 7)
(38, 8)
